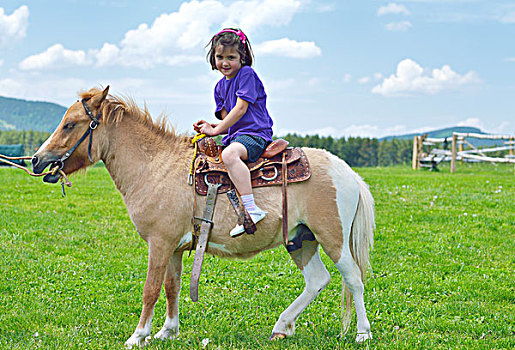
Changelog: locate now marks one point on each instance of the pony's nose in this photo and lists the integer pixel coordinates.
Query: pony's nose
(34, 161)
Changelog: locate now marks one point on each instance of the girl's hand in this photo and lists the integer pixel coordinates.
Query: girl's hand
(198, 125)
(208, 129)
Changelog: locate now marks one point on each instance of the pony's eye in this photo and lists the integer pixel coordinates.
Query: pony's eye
(68, 126)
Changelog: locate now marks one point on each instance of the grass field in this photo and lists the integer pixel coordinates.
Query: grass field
(72, 270)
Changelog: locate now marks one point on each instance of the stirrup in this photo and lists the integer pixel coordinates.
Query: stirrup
(256, 216)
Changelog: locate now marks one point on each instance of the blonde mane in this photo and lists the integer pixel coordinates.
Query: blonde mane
(116, 107)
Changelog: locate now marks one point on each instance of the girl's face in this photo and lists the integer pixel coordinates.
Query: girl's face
(227, 60)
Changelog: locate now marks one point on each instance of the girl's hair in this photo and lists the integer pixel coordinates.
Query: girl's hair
(231, 37)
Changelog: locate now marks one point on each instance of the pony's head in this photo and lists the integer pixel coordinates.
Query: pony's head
(68, 146)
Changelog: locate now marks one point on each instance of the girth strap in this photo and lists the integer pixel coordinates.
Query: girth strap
(203, 239)
(285, 200)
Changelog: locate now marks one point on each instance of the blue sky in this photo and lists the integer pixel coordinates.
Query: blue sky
(340, 68)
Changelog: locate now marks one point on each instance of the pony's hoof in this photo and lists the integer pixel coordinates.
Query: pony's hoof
(134, 341)
(166, 334)
(363, 337)
(277, 336)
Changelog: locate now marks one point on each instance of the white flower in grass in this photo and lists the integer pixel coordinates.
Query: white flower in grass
(204, 342)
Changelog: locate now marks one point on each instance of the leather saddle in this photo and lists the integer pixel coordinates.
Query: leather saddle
(266, 171)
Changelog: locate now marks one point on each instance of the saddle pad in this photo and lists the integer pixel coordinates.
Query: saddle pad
(263, 172)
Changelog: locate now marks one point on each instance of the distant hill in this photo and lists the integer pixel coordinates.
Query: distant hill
(447, 132)
(17, 114)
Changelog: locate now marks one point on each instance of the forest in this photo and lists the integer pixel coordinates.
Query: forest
(16, 114)
(356, 151)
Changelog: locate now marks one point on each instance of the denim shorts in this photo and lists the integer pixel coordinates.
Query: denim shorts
(255, 145)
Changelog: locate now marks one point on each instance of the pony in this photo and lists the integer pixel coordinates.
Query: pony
(149, 164)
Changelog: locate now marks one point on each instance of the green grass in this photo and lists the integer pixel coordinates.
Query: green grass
(72, 270)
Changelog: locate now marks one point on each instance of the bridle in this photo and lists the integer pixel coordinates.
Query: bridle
(92, 126)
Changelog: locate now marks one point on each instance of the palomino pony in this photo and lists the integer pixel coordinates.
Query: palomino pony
(149, 166)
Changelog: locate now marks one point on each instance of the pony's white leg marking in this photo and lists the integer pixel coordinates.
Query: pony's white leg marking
(139, 336)
(352, 277)
(317, 278)
(350, 271)
(170, 329)
(172, 289)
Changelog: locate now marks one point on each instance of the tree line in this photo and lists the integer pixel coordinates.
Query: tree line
(356, 151)
(31, 140)
(359, 151)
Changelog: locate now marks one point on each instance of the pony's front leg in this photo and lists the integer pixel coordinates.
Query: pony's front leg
(158, 257)
(172, 289)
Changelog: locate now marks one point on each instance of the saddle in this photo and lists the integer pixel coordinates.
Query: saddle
(266, 171)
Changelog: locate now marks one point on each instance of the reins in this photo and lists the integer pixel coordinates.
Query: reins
(53, 171)
(58, 165)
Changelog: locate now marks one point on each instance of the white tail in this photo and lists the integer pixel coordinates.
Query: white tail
(361, 242)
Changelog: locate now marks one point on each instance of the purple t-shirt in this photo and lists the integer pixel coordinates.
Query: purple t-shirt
(247, 86)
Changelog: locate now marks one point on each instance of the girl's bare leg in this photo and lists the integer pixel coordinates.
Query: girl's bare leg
(233, 157)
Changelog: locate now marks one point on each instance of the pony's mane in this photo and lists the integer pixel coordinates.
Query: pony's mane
(116, 107)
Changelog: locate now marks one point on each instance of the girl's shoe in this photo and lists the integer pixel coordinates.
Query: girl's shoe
(256, 216)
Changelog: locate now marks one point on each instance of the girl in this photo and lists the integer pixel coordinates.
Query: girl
(241, 105)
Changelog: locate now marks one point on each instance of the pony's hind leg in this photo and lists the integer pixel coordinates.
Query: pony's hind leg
(354, 207)
(316, 277)
(352, 278)
(172, 288)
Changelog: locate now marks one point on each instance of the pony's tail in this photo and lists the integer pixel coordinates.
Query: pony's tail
(361, 241)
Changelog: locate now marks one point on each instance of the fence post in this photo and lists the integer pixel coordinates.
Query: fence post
(414, 162)
(460, 149)
(453, 152)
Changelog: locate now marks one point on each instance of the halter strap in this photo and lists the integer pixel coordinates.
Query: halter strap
(92, 126)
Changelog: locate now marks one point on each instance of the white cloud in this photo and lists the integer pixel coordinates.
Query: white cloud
(322, 8)
(108, 55)
(55, 56)
(347, 78)
(399, 26)
(510, 59)
(253, 14)
(508, 18)
(13, 27)
(288, 48)
(364, 80)
(411, 78)
(1, 62)
(179, 37)
(474, 122)
(393, 8)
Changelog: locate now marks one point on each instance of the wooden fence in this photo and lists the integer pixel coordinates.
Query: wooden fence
(461, 150)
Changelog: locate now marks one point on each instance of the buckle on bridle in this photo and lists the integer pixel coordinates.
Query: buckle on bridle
(93, 124)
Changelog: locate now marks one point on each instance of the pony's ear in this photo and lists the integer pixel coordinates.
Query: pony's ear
(104, 93)
(97, 100)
